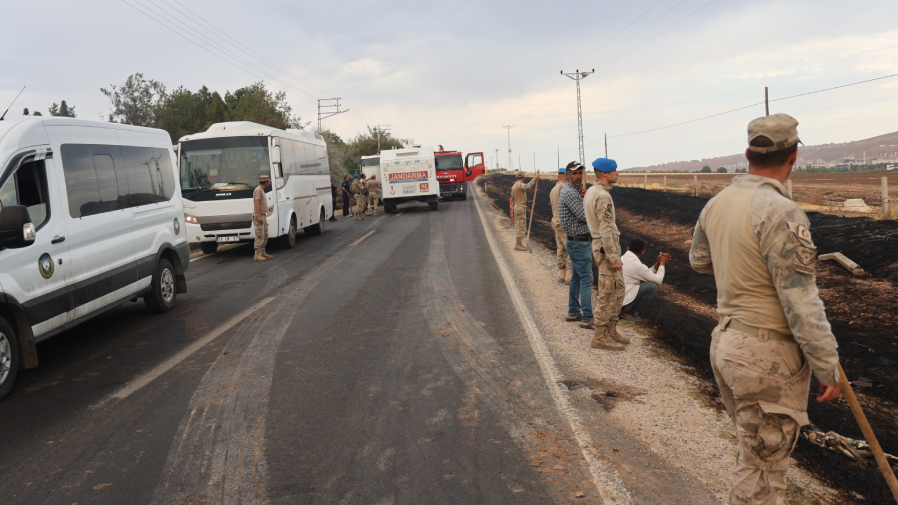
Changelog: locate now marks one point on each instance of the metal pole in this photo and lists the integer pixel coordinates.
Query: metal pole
(578, 76)
(606, 145)
(509, 145)
(532, 209)
(766, 102)
(645, 180)
(886, 212)
(694, 185)
(665, 184)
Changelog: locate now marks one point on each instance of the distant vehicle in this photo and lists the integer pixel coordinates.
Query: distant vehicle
(451, 174)
(220, 168)
(370, 165)
(409, 174)
(91, 218)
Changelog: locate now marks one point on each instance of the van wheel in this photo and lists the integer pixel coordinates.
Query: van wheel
(289, 240)
(163, 292)
(9, 357)
(208, 247)
(434, 205)
(316, 229)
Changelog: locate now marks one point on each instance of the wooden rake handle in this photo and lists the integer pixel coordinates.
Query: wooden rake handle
(532, 208)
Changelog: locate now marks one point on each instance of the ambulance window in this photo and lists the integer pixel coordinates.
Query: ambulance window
(28, 187)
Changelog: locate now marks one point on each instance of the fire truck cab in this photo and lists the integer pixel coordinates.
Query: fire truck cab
(474, 166)
(451, 174)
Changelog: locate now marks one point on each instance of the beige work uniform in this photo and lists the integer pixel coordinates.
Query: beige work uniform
(519, 199)
(756, 243)
(601, 219)
(260, 229)
(373, 187)
(561, 256)
(358, 191)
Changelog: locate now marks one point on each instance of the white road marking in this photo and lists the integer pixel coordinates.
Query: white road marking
(170, 363)
(363, 237)
(606, 480)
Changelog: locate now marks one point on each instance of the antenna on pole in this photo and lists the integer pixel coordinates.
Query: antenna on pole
(509, 146)
(578, 76)
(766, 102)
(10, 105)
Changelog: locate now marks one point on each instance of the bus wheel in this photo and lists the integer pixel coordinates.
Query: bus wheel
(9, 357)
(289, 240)
(208, 247)
(317, 229)
(389, 209)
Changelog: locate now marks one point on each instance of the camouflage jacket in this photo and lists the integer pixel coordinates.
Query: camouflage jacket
(757, 244)
(602, 221)
(358, 187)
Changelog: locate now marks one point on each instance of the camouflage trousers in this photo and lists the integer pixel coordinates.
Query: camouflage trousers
(261, 233)
(520, 222)
(372, 204)
(564, 262)
(764, 385)
(611, 289)
(360, 200)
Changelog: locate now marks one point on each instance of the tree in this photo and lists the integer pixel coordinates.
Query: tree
(135, 101)
(705, 170)
(26, 112)
(337, 152)
(721, 170)
(61, 110)
(36, 113)
(257, 104)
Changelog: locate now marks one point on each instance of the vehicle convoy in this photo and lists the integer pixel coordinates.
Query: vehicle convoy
(90, 217)
(370, 165)
(409, 174)
(220, 168)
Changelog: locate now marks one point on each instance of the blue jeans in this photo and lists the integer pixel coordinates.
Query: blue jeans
(580, 290)
(647, 291)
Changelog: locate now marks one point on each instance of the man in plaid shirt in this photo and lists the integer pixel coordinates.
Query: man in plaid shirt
(579, 247)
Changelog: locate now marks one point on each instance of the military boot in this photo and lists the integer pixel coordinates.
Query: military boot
(266, 255)
(357, 217)
(258, 256)
(601, 340)
(617, 337)
(519, 246)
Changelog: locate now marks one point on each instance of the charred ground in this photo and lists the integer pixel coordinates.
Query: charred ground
(861, 311)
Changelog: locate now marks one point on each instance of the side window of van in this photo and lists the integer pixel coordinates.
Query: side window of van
(28, 187)
(94, 177)
(150, 175)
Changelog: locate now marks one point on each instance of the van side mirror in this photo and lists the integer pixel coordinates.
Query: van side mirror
(16, 228)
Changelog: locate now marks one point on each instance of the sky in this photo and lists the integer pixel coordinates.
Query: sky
(453, 73)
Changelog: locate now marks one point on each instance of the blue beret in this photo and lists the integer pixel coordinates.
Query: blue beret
(606, 165)
(562, 171)
(356, 176)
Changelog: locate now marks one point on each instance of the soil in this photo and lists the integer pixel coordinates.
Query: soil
(862, 312)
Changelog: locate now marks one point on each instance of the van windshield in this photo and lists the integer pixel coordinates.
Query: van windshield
(223, 163)
(452, 162)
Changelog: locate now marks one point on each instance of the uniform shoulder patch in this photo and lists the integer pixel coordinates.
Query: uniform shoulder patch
(608, 214)
(805, 259)
(802, 233)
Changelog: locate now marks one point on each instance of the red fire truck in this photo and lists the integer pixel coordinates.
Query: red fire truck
(455, 175)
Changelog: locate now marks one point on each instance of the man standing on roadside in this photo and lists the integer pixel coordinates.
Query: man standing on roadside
(333, 202)
(600, 216)
(358, 191)
(260, 223)
(519, 197)
(756, 243)
(564, 263)
(346, 195)
(373, 187)
(573, 220)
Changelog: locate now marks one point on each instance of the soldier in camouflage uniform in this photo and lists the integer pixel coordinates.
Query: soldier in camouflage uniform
(358, 191)
(519, 197)
(260, 223)
(599, 209)
(772, 330)
(564, 262)
(373, 187)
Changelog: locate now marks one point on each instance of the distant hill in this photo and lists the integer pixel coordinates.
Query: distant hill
(881, 149)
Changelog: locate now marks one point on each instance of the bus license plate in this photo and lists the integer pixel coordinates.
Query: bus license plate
(226, 239)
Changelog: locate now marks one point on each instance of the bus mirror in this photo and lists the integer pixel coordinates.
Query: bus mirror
(276, 154)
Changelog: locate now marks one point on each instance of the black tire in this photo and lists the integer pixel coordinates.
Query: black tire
(209, 247)
(163, 291)
(289, 239)
(434, 205)
(316, 229)
(9, 357)
(389, 209)
(464, 196)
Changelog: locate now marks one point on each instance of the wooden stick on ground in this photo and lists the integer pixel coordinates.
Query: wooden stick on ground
(861, 419)
(532, 208)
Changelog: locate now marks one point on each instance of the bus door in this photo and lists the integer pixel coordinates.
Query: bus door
(474, 166)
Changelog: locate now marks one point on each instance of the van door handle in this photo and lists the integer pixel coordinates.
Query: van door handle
(57, 239)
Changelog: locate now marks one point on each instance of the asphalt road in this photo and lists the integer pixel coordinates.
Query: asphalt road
(382, 362)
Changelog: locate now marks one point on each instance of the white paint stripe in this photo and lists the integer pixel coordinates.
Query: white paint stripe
(363, 237)
(170, 363)
(607, 481)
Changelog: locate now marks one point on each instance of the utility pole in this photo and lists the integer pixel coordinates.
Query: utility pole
(578, 76)
(381, 128)
(606, 145)
(558, 148)
(766, 102)
(327, 110)
(497, 158)
(509, 146)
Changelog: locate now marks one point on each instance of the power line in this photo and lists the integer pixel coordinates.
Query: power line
(638, 31)
(616, 34)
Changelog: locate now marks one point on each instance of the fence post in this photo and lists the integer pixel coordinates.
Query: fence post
(694, 185)
(645, 179)
(665, 184)
(886, 212)
(789, 188)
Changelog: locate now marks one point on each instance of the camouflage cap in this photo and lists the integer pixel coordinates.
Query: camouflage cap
(519, 174)
(264, 178)
(779, 128)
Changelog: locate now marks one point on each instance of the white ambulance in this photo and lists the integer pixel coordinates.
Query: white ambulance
(409, 174)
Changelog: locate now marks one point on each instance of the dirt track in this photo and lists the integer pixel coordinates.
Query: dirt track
(861, 310)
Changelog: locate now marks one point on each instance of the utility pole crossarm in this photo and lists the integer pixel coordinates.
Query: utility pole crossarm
(324, 110)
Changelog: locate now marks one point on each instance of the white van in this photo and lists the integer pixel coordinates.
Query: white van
(409, 174)
(91, 217)
(220, 168)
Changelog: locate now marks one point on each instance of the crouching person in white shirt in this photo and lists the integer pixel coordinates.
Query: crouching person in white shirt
(640, 282)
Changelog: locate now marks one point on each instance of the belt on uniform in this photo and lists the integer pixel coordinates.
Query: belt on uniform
(580, 238)
(771, 334)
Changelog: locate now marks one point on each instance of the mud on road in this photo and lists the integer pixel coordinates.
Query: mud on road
(862, 312)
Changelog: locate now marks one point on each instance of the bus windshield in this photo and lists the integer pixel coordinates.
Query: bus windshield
(223, 163)
(449, 162)
(371, 162)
